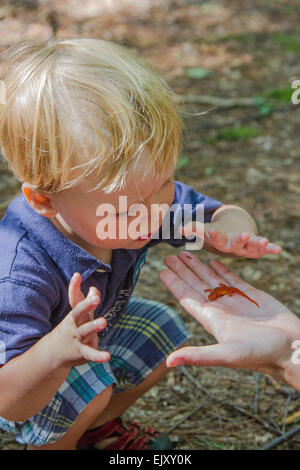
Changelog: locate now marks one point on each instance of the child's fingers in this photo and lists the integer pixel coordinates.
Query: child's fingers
(273, 249)
(74, 291)
(257, 243)
(84, 308)
(94, 355)
(259, 246)
(217, 239)
(238, 241)
(192, 229)
(262, 242)
(90, 327)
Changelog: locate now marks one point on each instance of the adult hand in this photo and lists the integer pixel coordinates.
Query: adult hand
(249, 337)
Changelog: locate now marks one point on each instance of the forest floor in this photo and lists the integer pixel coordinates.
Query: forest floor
(244, 155)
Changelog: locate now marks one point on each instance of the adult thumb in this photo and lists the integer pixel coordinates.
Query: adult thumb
(212, 355)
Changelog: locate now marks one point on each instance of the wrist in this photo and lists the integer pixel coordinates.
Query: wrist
(53, 351)
(290, 374)
(232, 219)
(288, 365)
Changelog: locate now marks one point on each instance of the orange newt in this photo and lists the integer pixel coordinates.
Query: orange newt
(226, 290)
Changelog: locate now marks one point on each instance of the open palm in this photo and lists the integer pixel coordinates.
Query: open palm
(248, 336)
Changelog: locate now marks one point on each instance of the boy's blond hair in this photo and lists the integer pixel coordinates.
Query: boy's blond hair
(79, 107)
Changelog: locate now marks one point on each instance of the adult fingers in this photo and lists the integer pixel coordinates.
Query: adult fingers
(185, 273)
(205, 274)
(179, 288)
(212, 355)
(208, 315)
(231, 278)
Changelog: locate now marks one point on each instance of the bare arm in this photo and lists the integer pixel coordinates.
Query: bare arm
(248, 337)
(234, 219)
(28, 382)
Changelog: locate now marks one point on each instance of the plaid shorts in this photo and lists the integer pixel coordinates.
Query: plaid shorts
(146, 333)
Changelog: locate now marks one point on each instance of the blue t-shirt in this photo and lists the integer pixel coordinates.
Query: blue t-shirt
(38, 261)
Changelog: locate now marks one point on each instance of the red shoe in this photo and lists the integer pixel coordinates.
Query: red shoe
(128, 436)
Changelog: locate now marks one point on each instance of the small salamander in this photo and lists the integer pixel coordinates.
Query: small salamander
(226, 290)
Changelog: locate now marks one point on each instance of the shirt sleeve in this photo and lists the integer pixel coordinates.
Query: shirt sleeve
(188, 205)
(25, 313)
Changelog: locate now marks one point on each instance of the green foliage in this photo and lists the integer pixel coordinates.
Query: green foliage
(270, 99)
(237, 133)
(197, 72)
(209, 170)
(241, 37)
(231, 134)
(209, 443)
(282, 95)
(289, 42)
(183, 161)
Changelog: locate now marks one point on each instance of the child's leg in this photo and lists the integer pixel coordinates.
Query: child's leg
(82, 396)
(118, 404)
(139, 343)
(104, 407)
(71, 437)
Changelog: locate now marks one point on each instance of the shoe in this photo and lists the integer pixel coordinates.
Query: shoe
(129, 435)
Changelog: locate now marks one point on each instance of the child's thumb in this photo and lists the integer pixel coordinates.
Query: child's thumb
(192, 229)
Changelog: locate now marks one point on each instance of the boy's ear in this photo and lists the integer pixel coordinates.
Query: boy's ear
(41, 203)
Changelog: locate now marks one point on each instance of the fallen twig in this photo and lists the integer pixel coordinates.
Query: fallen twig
(185, 418)
(281, 438)
(264, 423)
(206, 124)
(288, 392)
(216, 101)
(256, 396)
(286, 410)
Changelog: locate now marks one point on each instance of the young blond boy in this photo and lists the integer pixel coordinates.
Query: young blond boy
(85, 122)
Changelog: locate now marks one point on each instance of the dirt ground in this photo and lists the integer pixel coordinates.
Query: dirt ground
(246, 154)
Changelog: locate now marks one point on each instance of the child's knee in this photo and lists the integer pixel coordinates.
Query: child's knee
(99, 402)
(67, 438)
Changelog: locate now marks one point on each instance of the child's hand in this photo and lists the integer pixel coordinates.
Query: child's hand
(75, 338)
(238, 243)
